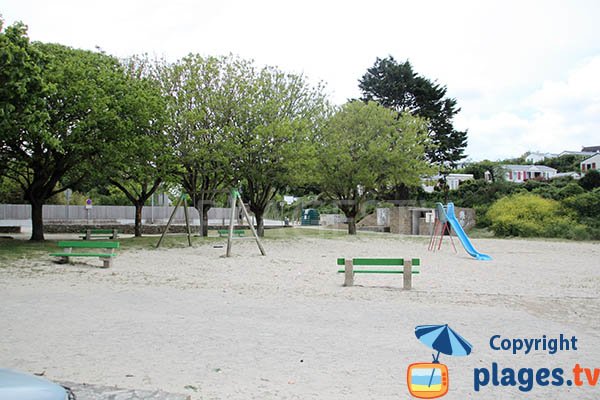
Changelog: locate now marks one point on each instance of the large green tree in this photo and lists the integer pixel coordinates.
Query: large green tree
(280, 115)
(141, 160)
(365, 146)
(204, 96)
(60, 110)
(398, 87)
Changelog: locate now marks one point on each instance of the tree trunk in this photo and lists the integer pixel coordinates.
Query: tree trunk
(260, 224)
(351, 225)
(138, 219)
(204, 232)
(37, 221)
(203, 206)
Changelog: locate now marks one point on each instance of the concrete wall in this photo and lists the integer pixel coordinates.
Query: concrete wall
(412, 220)
(103, 214)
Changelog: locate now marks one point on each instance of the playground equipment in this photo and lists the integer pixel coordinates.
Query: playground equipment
(237, 199)
(445, 219)
(182, 199)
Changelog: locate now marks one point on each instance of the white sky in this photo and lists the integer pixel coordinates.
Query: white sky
(526, 73)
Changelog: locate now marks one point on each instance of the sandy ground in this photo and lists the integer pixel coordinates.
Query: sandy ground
(283, 327)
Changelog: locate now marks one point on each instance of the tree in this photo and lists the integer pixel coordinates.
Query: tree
(60, 109)
(279, 117)
(398, 87)
(564, 163)
(141, 160)
(204, 96)
(363, 146)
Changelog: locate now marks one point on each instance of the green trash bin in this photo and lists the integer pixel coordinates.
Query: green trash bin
(310, 216)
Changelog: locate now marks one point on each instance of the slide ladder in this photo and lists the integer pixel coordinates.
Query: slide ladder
(446, 215)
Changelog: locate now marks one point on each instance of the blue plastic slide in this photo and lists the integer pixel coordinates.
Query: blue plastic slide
(462, 236)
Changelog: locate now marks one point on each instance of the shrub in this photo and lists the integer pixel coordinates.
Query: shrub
(528, 215)
(590, 180)
(584, 204)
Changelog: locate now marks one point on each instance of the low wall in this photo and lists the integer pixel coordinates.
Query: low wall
(412, 220)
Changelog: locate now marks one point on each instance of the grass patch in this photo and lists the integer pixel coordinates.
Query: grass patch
(11, 250)
(16, 249)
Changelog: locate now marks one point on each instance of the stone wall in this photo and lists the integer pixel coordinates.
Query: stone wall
(412, 220)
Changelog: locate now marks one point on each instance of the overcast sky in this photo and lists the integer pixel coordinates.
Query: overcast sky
(526, 74)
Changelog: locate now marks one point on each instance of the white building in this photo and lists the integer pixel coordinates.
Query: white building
(522, 173)
(537, 157)
(452, 180)
(591, 163)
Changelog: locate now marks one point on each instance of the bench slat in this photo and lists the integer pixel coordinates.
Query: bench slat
(84, 254)
(89, 245)
(98, 231)
(374, 271)
(379, 261)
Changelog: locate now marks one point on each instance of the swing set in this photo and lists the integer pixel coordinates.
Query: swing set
(235, 200)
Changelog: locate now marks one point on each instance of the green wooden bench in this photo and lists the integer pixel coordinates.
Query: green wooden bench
(236, 232)
(103, 250)
(90, 234)
(386, 266)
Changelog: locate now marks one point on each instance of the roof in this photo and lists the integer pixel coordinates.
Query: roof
(589, 158)
(576, 153)
(594, 149)
(529, 168)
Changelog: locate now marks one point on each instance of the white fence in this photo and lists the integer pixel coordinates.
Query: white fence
(119, 214)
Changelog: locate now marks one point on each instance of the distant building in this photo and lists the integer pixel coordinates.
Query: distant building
(452, 180)
(592, 163)
(593, 149)
(537, 157)
(573, 175)
(522, 173)
(576, 153)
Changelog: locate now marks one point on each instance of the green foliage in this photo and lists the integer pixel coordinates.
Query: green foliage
(10, 192)
(587, 205)
(365, 146)
(278, 121)
(591, 180)
(398, 87)
(564, 163)
(60, 111)
(528, 215)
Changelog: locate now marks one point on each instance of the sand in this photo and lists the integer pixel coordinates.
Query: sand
(283, 327)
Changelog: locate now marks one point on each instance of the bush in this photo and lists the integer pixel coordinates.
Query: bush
(584, 204)
(528, 215)
(591, 180)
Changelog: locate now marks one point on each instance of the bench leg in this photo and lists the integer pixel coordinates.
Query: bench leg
(348, 273)
(407, 272)
(64, 260)
(107, 262)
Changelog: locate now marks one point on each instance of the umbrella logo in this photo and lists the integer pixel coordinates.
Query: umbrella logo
(430, 380)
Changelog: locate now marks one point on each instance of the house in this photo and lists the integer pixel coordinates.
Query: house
(452, 180)
(591, 163)
(592, 149)
(572, 175)
(522, 173)
(537, 157)
(577, 153)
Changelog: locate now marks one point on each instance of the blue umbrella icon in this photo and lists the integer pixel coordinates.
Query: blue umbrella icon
(443, 339)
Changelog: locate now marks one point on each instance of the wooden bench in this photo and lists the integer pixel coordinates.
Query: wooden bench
(104, 250)
(409, 267)
(236, 232)
(90, 234)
